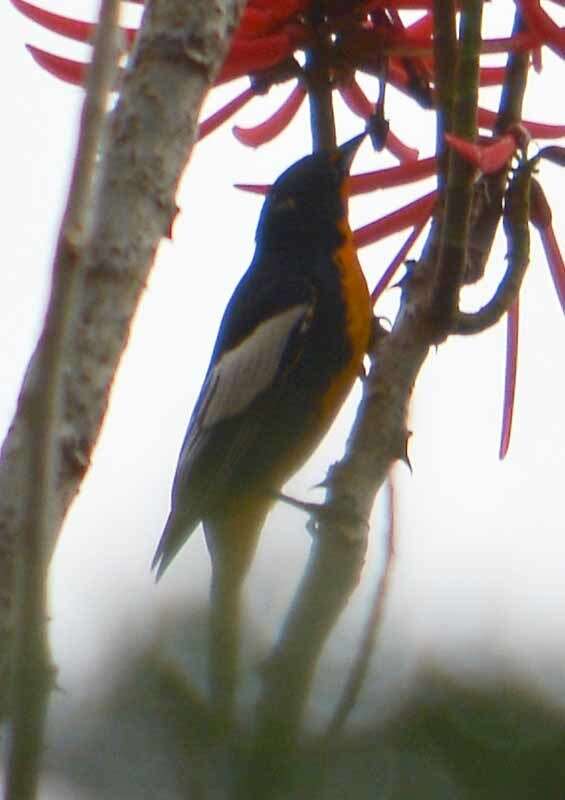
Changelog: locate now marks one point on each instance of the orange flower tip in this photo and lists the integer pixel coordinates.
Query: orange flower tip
(254, 188)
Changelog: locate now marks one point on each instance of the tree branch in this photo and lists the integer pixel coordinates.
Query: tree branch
(459, 193)
(367, 645)
(516, 226)
(487, 206)
(445, 56)
(379, 437)
(178, 52)
(41, 413)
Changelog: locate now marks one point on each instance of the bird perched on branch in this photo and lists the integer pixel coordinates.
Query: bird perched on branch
(290, 346)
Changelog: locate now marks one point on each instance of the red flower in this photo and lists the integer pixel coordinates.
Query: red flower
(373, 40)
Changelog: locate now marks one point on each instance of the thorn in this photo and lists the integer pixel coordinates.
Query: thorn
(404, 457)
(410, 263)
(302, 505)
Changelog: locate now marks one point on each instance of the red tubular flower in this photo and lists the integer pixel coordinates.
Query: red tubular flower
(408, 172)
(537, 130)
(541, 217)
(492, 76)
(519, 42)
(400, 150)
(398, 220)
(399, 259)
(74, 29)
(252, 55)
(512, 330)
(378, 42)
(488, 158)
(223, 114)
(71, 28)
(63, 68)
(541, 24)
(356, 100)
(271, 127)
(253, 188)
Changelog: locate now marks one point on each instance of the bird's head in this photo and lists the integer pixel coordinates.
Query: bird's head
(308, 198)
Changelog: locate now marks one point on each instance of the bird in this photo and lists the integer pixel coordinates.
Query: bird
(290, 346)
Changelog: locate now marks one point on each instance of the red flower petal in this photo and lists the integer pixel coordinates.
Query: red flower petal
(356, 100)
(271, 127)
(63, 68)
(512, 330)
(77, 30)
(398, 220)
(400, 150)
(492, 76)
(555, 261)
(537, 130)
(254, 188)
(519, 42)
(71, 28)
(541, 217)
(423, 26)
(488, 158)
(543, 26)
(252, 55)
(407, 172)
(399, 259)
(219, 117)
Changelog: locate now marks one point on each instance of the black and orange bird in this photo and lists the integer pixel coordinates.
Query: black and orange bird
(290, 346)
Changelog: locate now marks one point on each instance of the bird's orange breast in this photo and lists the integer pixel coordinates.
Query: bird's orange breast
(358, 321)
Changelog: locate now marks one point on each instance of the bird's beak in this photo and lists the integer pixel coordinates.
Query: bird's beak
(348, 150)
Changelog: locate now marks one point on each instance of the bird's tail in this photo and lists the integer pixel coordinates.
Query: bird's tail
(232, 539)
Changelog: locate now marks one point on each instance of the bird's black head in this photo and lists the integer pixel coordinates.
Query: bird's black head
(307, 201)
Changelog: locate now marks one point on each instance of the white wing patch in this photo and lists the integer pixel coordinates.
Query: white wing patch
(248, 369)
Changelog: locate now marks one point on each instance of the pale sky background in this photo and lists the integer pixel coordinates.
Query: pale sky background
(479, 583)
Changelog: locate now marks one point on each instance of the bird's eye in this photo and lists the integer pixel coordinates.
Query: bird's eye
(287, 203)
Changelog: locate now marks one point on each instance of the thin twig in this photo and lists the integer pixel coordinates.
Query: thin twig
(516, 227)
(367, 645)
(488, 204)
(41, 407)
(445, 56)
(318, 81)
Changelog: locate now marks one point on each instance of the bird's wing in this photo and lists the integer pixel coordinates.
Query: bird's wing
(241, 374)
(235, 378)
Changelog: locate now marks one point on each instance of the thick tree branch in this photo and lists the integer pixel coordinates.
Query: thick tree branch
(179, 50)
(459, 192)
(360, 666)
